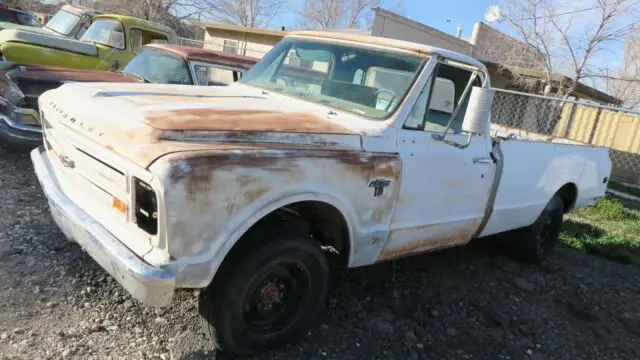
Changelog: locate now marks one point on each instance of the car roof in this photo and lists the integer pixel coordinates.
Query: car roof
(392, 43)
(131, 21)
(207, 56)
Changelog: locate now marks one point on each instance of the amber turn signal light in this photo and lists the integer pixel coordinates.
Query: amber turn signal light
(119, 205)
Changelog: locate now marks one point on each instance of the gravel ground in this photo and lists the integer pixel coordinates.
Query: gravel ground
(466, 303)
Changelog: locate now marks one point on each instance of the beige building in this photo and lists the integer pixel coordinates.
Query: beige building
(252, 42)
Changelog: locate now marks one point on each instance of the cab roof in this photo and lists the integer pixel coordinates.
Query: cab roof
(131, 21)
(392, 43)
(207, 56)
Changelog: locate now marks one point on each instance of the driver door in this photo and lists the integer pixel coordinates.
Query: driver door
(444, 188)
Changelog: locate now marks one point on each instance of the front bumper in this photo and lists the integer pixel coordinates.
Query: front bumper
(151, 285)
(18, 134)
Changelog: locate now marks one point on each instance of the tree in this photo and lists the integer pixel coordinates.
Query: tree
(333, 14)
(568, 39)
(247, 13)
(625, 82)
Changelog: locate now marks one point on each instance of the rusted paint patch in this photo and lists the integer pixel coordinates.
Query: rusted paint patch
(242, 119)
(420, 245)
(228, 185)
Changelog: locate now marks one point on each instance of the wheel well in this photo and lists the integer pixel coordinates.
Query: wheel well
(323, 222)
(568, 194)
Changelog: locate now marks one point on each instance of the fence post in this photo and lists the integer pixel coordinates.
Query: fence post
(574, 107)
(595, 125)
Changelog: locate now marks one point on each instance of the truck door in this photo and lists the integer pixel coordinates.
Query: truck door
(444, 187)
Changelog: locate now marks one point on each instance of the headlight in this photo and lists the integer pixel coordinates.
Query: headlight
(146, 209)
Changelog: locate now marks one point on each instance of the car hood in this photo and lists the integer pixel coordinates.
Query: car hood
(145, 121)
(45, 39)
(12, 26)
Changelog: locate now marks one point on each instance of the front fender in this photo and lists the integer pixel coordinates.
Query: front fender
(212, 199)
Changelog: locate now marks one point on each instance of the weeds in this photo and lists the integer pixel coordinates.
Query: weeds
(608, 229)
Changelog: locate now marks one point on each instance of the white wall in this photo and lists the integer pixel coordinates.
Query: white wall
(390, 25)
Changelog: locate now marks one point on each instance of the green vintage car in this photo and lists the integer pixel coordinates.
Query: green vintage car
(69, 21)
(109, 43)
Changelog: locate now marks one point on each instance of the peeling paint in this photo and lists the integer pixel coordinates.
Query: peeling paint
(242, 119)
(412, 241)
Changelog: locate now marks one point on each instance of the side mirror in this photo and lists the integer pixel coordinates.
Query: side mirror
(476, 119)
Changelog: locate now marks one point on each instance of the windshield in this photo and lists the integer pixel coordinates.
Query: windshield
(347, 77)
(105, 32)
(63, 22)
(159, 67)
(27, 19)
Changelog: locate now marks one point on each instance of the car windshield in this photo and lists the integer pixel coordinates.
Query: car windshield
(353, 78)
(63, 22)
(105, 32)
(27, 19)
(159, 67)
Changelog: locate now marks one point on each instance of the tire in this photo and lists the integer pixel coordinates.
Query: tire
(267, 293)
(536, 242)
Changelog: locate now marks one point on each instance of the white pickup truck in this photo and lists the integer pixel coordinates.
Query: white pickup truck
(333, 147)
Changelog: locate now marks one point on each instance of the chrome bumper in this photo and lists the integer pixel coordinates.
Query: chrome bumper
(18, 134)
(151, 285)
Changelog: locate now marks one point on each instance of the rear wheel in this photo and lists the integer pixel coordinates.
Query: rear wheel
(267, 294)
(535, 243)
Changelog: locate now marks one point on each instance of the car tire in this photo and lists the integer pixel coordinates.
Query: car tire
(266, 294)
(536, 242)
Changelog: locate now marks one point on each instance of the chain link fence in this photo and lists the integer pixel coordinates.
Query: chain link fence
(543, 118)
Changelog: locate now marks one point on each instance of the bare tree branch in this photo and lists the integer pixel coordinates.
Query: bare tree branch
(332, 14)
(565, 41)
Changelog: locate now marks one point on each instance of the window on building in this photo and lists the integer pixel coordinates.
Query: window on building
(230, 46)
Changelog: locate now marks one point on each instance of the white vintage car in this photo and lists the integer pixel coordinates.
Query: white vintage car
(356, 149)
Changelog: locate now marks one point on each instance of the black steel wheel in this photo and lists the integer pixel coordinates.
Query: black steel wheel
(536, 242)
(267, 293)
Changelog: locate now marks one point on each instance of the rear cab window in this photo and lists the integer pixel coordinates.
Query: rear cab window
(211, 75)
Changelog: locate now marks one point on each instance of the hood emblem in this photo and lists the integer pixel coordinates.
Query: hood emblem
(66, 162)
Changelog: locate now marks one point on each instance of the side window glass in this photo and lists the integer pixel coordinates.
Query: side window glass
(82, 29)
(211, 76)
(418, 112)
(447, 95)
(136, 40)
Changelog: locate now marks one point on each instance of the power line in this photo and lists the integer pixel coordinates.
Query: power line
(560, 14)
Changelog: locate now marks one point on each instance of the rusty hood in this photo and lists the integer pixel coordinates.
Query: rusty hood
(142, 122)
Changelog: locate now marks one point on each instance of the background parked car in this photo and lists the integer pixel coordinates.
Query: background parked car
(108, 44)
(17, 16)
(21, 85)
(69, 21)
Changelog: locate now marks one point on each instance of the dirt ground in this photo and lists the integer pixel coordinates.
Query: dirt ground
(466, 303)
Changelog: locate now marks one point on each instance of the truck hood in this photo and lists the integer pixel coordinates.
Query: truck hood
(47, 40)
(144, 122)
(12, 26)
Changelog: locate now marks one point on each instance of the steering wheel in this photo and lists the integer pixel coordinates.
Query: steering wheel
(393, 97)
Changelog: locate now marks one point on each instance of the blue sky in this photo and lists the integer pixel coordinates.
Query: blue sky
(435, 13)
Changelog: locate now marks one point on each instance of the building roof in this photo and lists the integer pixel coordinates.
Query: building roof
(128, 20)
(393, 43)
(557, 79)
(230, 27)
(207, 56)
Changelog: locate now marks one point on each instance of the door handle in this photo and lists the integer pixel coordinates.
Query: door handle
(481, 160)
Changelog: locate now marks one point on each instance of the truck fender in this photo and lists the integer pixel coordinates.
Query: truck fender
(223, 249)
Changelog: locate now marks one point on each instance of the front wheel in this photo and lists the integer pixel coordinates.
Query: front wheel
(265, 295)
(535, 243)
